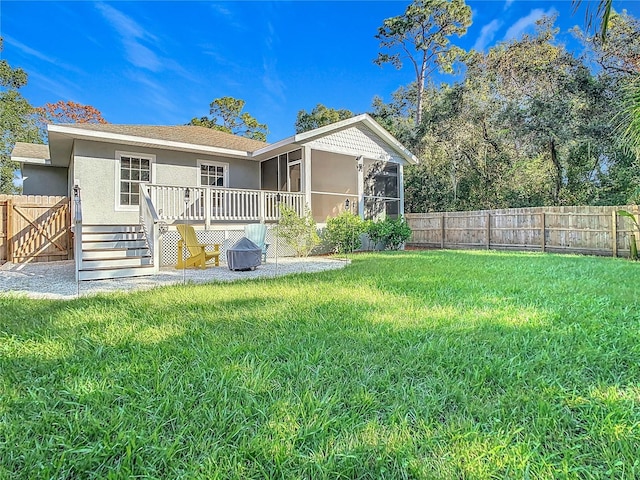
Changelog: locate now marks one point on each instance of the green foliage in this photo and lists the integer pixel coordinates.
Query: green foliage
(228, 111)
(319, 117)
(633, 246)
(17, 122)
(377, 371)
(421, 36)
(300, 233)
(391, 232)
(343, 232)
(529, 125)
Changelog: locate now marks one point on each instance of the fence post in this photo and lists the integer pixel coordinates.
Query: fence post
(488, 230)
(614, 232)
(442, 231)
(543, 227)
(9, 231)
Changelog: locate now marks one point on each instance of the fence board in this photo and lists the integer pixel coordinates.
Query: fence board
(3, 231)
(34, 228)
(571, 229)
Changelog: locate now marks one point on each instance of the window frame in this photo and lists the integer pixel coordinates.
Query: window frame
(213, 163)
(118, 180)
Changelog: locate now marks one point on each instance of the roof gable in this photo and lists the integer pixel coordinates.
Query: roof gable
(357, 140)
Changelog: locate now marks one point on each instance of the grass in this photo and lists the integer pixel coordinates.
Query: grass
(403, 365)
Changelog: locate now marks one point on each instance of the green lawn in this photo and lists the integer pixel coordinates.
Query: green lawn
(403, 365)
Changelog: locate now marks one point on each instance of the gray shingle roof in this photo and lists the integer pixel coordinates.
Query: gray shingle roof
(31, 150)
(181, 133)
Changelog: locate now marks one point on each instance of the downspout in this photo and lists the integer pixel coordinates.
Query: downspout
(360, 173)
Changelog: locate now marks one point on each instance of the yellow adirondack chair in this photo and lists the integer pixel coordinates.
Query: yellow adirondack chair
(198, 255)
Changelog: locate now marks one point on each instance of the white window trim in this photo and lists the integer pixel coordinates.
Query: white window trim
(225, 170)
(152, 164)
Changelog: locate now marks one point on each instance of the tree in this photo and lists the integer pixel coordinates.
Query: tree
(69, 112)
(17, 122)
(228, 111)
(421, 36)
(600, 16)
(66, 112)
(319, 117)
(396, 116)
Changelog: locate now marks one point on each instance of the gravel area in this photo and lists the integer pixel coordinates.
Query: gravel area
(56, 280)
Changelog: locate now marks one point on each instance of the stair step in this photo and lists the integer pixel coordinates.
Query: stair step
(104, 244)
(105, 273)
(111, 236)
(108, 253)
(93, 228)
(115, 262)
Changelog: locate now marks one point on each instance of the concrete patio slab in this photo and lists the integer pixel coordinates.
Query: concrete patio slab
(56, 280)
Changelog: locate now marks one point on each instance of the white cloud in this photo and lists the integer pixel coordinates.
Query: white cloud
(61, 89)
(132, 36)
(487, 34)
(154, 95)
(271, 81)
(228, 15)
(39, 55)
(517, 29)
(507, 4)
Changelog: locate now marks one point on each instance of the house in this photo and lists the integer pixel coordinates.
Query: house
(130, 183)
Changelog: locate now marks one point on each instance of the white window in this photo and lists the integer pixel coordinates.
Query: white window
(213, 174)
(133, 169)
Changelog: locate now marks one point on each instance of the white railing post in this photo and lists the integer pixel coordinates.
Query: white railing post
(262, 205)
(207, 208)
(149, 221)
(77, 230)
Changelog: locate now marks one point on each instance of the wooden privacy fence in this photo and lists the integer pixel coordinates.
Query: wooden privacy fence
(34, 228)
(586, 230)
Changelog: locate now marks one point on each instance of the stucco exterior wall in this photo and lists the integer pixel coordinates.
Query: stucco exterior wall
(44, 180)
(331, 172)
(334, 178)
(94, 166)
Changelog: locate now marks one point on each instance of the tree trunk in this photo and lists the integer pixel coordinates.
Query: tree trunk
(420, 93)
(558, 171)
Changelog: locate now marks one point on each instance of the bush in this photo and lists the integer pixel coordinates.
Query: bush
(300, 233)
(392, 233)
(343, 232)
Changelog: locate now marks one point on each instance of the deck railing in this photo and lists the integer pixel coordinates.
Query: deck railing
(150, 223)
(211, 204)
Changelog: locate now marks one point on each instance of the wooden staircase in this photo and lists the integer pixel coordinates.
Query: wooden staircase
(114, 251)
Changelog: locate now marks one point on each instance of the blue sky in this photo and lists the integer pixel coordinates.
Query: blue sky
(163, 62)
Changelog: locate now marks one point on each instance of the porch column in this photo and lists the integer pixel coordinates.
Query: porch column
(306, 185)
(360, 173)
(401, 188)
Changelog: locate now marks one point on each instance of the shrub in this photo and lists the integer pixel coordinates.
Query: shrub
(376, 233)
(300, 233)
(392, 233)
(343, 232)
(397, 233)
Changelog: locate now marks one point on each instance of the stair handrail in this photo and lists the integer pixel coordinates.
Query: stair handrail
(150, 221)
(77, 229)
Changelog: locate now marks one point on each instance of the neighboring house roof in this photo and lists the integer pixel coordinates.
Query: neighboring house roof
(31, 153)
